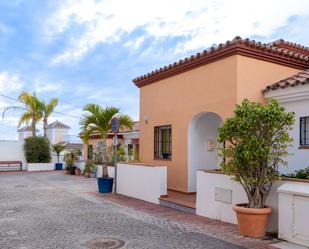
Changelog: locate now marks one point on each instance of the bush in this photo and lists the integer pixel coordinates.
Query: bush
(89, 166)
(37, 150)
(299, 174)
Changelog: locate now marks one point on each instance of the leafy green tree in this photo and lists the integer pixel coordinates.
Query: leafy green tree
(97, 120)
(31, 110)
(256, 141)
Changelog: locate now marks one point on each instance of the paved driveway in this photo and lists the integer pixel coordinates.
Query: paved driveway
(53, 210)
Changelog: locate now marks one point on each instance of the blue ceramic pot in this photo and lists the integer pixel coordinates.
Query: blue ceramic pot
(58, 166)
(105, 184)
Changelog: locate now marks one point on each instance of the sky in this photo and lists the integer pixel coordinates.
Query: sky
(88, 51)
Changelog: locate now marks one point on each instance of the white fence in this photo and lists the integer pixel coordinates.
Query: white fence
(141, 181)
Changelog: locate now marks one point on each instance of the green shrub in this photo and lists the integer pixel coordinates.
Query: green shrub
(37, 150)
(300, 174)
(89, 166)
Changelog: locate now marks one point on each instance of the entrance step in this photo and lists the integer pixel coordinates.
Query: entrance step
(170, 204)
(180, 201)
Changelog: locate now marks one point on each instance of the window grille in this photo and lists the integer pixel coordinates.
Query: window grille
(163, 142)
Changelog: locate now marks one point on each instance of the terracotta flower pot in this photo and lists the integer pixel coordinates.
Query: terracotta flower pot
(87, 174)
(252, 222)
(77, 171)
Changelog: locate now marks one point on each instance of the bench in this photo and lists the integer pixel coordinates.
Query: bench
(11, 165)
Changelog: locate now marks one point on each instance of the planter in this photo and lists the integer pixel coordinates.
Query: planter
(105, 185)
(40, 166)
(58, 166)
(87, 174)
(77, 171)
(72, 170)
(252, 222)
(93, 174)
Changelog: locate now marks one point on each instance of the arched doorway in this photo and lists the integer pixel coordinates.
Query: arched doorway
(202, 145)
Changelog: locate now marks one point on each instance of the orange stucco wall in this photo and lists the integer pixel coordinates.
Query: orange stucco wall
(253, 75)
(175, 101)
(215, 87)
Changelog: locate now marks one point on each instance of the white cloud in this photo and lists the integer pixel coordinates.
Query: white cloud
(9, 82)
(200, 22)
(41, 87)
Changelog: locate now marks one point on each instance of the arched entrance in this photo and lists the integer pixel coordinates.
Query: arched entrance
(202, 145)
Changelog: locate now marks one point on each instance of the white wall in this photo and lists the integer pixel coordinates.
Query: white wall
(40, 166)
(299, 157)
(214, 191)
(294, 99)
(143, 182)
(13, 151)
(203, 129)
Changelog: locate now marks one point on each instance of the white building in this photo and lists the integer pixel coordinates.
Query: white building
(25, 132)
(57, 132)
(293, 94)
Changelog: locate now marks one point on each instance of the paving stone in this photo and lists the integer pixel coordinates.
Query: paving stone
(54, 210)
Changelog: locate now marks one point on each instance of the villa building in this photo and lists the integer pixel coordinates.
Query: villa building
(127, 138)
(183, 104)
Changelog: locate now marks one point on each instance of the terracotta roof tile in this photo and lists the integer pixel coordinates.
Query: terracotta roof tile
(286, 45)
(59, 125)
(301, 78)
(281, 52)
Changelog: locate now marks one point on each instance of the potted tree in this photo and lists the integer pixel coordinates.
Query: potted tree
(58, 148)
(256, 141)
(88, 167)
(69, 158)
(98, 120)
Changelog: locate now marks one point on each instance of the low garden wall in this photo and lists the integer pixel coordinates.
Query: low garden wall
(40, 166)
(142, 181)
(217, 192)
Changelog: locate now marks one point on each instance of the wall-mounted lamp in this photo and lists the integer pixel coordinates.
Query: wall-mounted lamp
(146, 119)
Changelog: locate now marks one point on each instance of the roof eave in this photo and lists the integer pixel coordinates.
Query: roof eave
(263, 53)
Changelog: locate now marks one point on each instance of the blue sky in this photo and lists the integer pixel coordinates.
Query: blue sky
(88, 51)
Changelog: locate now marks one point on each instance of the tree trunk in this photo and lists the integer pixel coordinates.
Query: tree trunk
(33, 128)
(105, 170)
(105, 162)
(45, 127)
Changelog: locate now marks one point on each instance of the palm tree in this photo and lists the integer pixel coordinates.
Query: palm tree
(47, 109)
(98, 120)
(32, 110)
(58, 148)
